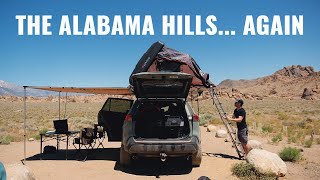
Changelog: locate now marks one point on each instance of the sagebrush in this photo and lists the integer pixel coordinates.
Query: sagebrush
(290, 154)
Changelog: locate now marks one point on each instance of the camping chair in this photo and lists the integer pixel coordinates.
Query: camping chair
(99, 135)
(61, 126)
(86, 139)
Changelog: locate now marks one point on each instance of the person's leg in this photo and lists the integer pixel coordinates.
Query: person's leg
(246, 147)
(243, 138)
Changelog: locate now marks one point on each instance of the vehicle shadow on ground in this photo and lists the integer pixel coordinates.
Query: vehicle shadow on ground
(109, 154)
(142, 166)
(219, 155)
(154, 167)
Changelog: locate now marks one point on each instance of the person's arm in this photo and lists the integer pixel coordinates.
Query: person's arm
(239, 119)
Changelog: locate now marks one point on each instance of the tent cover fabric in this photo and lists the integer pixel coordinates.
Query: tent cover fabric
(160, 58)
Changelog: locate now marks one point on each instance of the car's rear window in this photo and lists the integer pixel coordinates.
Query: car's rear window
(161, 88)
(117, 105)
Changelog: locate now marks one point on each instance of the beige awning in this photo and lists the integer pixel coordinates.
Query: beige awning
(86, 90)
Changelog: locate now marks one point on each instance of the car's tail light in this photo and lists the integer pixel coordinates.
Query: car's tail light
(195, 117)
(128, 117)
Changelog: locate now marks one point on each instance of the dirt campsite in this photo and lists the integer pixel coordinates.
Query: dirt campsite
(218, 155)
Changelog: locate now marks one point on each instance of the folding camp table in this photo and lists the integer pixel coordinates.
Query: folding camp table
(64, 137)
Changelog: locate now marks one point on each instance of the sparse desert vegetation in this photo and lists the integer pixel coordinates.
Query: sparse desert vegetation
(278, 119)
(277, 122)
(40, 116)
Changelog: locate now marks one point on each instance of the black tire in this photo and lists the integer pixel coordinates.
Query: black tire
(197, 158)
(125, 158)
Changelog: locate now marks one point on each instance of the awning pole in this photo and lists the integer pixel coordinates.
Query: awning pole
(24, 122)
(65, 106)
(59, 105)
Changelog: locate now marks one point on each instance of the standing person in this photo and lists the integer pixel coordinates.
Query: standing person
(239, 116)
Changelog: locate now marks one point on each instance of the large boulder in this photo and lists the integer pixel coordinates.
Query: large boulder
(254, 144)
(267, 162)
(211, 128)
(307, 94)
(221, 133)
(19, 172)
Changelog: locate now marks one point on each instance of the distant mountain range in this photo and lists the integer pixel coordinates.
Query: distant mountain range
(289, 82)
(14, 90)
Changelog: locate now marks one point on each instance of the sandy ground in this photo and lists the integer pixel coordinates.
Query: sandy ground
(218, 157)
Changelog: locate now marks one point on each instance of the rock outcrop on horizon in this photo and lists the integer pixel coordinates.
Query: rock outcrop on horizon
(292, 82)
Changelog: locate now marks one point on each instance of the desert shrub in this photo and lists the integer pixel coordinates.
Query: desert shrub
(266, 129)
(248, 171)
(202, 122)
(37, 135)
(290, 154)
(42, 131)
(6, 139)
(283, 116)
(300, 134)
(301, 124)
(207, 116)
(215, 121)
(50, 98)
(205, 119)
(277, 138)
(308, 143)
(292, 139)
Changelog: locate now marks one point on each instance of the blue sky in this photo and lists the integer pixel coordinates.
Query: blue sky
(109, 60)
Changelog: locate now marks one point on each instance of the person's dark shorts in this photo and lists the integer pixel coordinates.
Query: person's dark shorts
(243, 135)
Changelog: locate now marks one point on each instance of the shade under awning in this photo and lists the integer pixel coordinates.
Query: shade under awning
(86, 90)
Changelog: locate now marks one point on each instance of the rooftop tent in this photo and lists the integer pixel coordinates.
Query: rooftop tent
(160, 58)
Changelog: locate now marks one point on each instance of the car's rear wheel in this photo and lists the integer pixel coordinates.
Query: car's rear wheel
(125, 158)
(196, 158)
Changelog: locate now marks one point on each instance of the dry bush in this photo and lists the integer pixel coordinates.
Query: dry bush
(267, 129)
(73, 100)
(6, 139)
(248, 171)
(49, 98)
(277, 138)
(308, 143)
(290, 154)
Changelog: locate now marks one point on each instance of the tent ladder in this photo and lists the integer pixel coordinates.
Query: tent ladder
(228, 125)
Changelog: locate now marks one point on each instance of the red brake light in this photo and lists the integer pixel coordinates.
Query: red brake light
(195, 117)
(128, 117)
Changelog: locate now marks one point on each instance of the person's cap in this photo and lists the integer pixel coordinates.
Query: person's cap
(239, 101)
